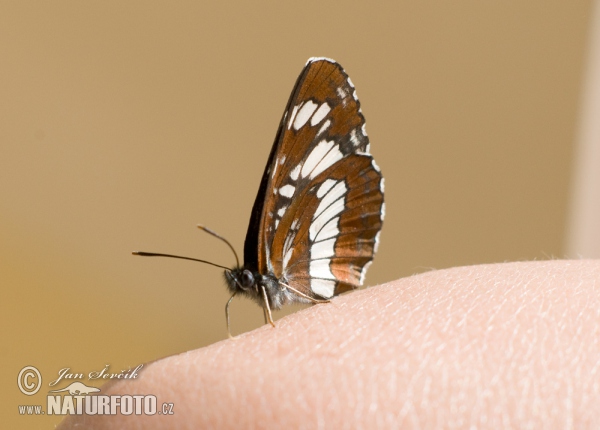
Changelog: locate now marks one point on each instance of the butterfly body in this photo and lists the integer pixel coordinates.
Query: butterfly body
(251, 285)
(315, 223)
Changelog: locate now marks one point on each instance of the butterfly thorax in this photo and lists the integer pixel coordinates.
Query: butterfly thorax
(250, 283)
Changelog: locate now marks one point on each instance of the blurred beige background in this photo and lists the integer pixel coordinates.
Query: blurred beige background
(125, 124)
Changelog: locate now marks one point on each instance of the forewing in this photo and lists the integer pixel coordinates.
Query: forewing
(323, 108)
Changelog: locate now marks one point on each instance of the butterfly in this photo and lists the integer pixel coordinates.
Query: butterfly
(316, 220)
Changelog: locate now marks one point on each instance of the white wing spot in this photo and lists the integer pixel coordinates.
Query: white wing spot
(325, 187)
(281, 211)
(375, 166)
(353, 89)
(324, 249)
(329, 230)
(324, 127)
(364, 129)
(336, 208)
(287, 257)
(333, 201)
(354, 138)
(315, 156)
(363, 272)
(325, 222)
(294, 112)
(314, 59)
(329, 160)
(304, 114)
(341, 94)
(320, 269)
(376, 245)
(322, 287)
(288, 242)
(320, 114)
(287, 190)
(282, 160)
(295, 173)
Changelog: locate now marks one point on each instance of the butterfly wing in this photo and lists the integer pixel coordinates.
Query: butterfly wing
(319, 210)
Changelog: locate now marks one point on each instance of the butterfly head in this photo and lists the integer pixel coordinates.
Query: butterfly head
(240, 280)
(256, 286)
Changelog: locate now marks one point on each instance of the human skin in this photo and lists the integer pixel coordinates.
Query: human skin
(513, 345)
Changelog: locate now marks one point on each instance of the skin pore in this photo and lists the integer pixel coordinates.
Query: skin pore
(490, 346)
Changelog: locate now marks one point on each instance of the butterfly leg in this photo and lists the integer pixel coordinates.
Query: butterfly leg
(227, 316)
(312, 299)
(267, 308)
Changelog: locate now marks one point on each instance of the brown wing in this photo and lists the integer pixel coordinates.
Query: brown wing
(322, 133)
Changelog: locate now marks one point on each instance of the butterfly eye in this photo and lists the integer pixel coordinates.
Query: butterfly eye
(247, 279)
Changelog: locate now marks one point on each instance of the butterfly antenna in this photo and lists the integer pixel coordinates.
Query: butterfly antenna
(218, 236)
(155, 254)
